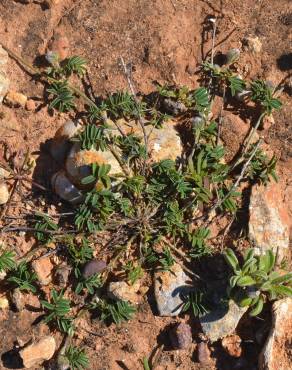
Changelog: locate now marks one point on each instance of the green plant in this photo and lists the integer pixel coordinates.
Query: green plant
(7, 260)
(75, 64)
(134, 272)
(198, 239)
(77, 358)
(256, 280)
(196, 301)
(44, 222)
(93, 137)
(57, 311)
(263, 93)
(89, 283)
(23, 278)
(114, 311)
(166, 260)
(63, 98)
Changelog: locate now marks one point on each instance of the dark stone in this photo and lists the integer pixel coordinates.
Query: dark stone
(93, 267)
(181, 336)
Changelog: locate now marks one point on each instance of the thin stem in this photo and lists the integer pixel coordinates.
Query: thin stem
(131, 86)
(220, 116)
(214, 23)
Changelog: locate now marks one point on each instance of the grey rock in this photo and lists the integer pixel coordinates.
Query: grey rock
(93, 267)
(181, 336)
(276, 354)
(222, 321)
(170, 288)
(62, 275)
(174, 107)
(203, 353)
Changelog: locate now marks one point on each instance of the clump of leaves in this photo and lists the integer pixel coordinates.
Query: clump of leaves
(90, 284)
(197, 303)
(198, 239)
(263, 93)
(63, 97)
(255, 281)
(57, 311)
(44, 222)
(134, 272)
(23, 278)
(77, 358)
(7, 261)
(116, 312)
(262, 168)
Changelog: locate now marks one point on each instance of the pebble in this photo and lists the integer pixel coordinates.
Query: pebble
(93, 267)
(232, 345)
(18, 299)
(38, 352)
(173, 107)
(254, 44)
(60, 45)
(4, 303)
(30, 105)
(62, 275)
(203, 353)
(4, 193)
(43, 268)
(121, 290)
(15, 99)
(181, 336)
(63, 187)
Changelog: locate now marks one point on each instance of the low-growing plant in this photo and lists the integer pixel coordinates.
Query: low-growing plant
(23, 278)
(7, 261)
(197, 303)
(134, 272)
(44, 222)
(77, 358)
(89, 284)
(57, 312)
(256, 281)
(114, 311)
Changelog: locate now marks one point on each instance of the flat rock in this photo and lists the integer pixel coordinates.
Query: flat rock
(121, 290)
(222, 321)
(38, 352)
(43, 268)
(269, 219)
(170, 287)
(276, 354)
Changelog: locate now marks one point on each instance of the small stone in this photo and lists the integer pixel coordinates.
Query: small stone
(173, 107)
(3, 274)
(121, 290)
(181, 336)
(93, 267)
(4, 86)
(276, 354)
(269, 221)
(60, 45)
(4, 193)
(4, 303)
(232, 345)
(203, 353)
(62, 275)
(170, 287)
(38, 352)
(268, 121)
(43, 268)
(30, 105)
(222, 321)
(18, 299)
(63, 187)
(254, 44)
(4, 173)
(15, 99)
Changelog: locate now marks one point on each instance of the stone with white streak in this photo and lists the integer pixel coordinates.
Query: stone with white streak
(269, 219)
(276, 354)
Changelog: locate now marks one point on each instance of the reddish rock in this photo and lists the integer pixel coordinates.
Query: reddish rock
(276, 354)
(30, 105)
(203, 353)
(43, 268)
(232, 345)
(269, 220)
(181, 336)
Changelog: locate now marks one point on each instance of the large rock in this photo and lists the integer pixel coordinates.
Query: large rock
(38, 352)
(170, 289)
(269, 219)
(222, 321)
(276, 354)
